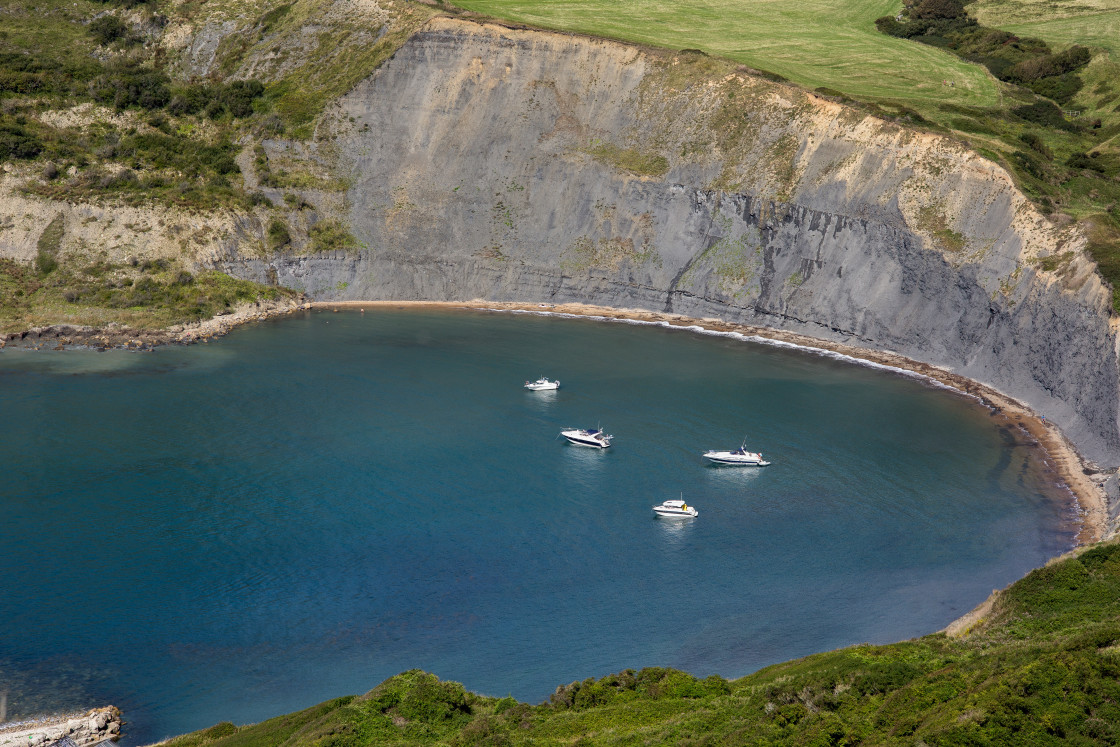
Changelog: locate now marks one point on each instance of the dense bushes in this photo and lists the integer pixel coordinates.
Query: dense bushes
(1042, 113)
(1022, 61)
(937, 10)
(235, 99)
(18, 141)
(108, 29)
(128, 84)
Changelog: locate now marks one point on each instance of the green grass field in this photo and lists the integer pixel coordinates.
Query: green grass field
(1094, 23)
(812, 42)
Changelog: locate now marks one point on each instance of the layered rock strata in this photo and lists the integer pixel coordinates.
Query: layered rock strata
(495, 163)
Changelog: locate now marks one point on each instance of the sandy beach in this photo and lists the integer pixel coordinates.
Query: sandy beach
(1087, 496)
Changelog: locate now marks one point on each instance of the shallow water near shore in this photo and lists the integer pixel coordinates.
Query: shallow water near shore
(234, 530)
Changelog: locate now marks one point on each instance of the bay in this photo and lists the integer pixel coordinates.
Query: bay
(234, 530)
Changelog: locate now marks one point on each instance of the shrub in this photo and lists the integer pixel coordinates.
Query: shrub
(1060, 88)
(189, 100)
(108, 29)
(888, 25)
(937, 10)
(1035, 143)
(16, 141)
(278, 234)
(1044, 113)
(131, 85)
(239, 95)
(1085, 161)
(331, 235)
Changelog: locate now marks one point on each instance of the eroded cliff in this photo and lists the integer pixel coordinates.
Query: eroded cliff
(504, 164)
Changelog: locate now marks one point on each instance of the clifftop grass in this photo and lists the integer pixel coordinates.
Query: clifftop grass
(1043, 668)
(811, 42)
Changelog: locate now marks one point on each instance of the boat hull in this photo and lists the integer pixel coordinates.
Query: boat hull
(663, 514)
(582, 441)
(675, 510)
(735, 460)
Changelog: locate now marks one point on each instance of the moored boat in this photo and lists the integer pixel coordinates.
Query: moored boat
(738, 457)
(541, 384)
(675, 510)
(587, 437)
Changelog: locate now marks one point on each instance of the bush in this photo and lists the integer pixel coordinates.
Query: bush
(239, 95)
(331, 235)
(1035, 143)
(45, 262)
(937, 10)
(16, 141)
(131, 85)
(1044, 113)
(1060, 88)
(889, 26)
(278, 234)
(1085, 161)
(108, 29)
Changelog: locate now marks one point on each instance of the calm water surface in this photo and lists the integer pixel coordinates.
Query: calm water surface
(308, 506)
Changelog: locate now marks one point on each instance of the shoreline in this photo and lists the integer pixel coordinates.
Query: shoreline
(82, 727)
(121, 337)
(1070, 468)
(1072, 471)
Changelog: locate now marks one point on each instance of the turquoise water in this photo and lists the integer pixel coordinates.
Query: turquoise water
(310, 505)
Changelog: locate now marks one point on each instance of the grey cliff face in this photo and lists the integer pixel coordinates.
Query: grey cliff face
(507, 165)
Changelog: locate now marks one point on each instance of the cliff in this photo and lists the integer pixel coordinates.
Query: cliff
(504, 164)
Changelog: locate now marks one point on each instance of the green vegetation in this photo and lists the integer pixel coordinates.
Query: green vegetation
(629, 159)
(148, 294)
(1093, 23)
(330, 236)
(1042, 668)
(811, 42)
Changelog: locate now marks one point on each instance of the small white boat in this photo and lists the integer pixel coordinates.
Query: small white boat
(675, 510)
(541, 384)
(739, 457)
(588, 437)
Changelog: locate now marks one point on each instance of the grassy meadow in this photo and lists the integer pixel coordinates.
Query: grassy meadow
(1094, 23)
(815, 43)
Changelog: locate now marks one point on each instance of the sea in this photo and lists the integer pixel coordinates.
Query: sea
(234, 530)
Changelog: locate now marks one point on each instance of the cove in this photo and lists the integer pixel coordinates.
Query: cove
(236, 530)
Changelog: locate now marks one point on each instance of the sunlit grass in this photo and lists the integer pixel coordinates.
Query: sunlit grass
(815, 43)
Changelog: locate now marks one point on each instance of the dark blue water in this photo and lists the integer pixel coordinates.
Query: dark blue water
(308, 506)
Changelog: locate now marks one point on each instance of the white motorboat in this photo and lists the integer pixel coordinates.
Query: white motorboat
(541, 384)
(675, 510)
(588, 437)
(739, 457)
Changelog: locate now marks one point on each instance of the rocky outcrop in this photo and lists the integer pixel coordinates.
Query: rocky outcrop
(91, 727)
(61, 336)
(495, 163)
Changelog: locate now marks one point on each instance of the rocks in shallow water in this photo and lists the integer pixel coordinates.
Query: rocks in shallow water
(89, 728)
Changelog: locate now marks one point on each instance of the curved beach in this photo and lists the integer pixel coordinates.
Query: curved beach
(1068, 465)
